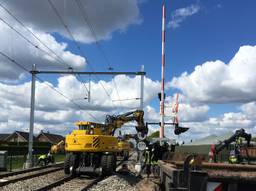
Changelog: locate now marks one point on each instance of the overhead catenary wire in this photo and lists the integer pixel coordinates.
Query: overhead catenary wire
(33, 34)
(77, 45)
(101, 50)
(37, 38)
(54, 89)
(128, 99)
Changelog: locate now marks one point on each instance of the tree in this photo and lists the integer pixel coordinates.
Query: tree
(154, 135)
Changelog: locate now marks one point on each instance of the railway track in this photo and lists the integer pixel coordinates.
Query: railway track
(29, 170)
(71, 183)
(50, 177)
(74, 183)
(12, 178)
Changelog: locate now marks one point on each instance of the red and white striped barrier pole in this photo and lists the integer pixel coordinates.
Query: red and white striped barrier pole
(161, 134)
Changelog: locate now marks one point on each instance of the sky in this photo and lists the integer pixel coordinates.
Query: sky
(210, 62)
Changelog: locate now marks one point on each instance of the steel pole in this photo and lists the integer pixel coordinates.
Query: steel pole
(89, 92)
(161, 134)
(142, 88)
(29, 162)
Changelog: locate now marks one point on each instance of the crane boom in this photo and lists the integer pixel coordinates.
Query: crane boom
(114, 122)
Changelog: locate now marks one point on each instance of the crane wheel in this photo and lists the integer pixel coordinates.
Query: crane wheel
(126, 155)
(67, 164)
(114, 163)
(70, 164)
(107, 164)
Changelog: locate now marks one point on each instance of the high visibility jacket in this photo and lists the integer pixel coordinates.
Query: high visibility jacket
(147, 157)
(233, 159)
(42, 157)
(153, 159)
(239, 141)
(150, 159)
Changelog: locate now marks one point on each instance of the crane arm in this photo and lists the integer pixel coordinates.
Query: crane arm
(113, 122)
(238, 133)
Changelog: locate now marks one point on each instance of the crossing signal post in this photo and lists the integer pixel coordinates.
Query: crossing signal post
(161, 132)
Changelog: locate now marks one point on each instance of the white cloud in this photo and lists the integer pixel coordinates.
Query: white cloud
(227, 122)
(250, 110)
(217, 82)
(55, 113)
(179, 15)
(27, 55)
(188, 111)
(106, 17)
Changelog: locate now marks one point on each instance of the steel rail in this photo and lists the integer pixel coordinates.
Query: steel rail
(74, 178)
(29, 170)
(29, 176)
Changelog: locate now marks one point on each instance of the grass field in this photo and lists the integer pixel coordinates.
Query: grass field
(201, 149)
(17, 162)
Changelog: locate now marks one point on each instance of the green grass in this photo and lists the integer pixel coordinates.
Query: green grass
(17, 162)
(202, 150)
(59, 157)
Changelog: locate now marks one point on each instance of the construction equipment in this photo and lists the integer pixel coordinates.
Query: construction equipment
(93, 148)
(124, 146)
(58, 148)
(235, 156)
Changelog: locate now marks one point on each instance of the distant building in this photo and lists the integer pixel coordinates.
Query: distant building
(3, 137)
(49, 137)
(19, 136)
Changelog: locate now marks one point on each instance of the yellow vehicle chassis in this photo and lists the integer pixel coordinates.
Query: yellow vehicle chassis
(91, 143)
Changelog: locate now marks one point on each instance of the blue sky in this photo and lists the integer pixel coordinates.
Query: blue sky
(202, 39)
(215, 32)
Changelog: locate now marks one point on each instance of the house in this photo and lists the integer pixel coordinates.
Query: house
(3, 137)
(19, 136)
(49, 137)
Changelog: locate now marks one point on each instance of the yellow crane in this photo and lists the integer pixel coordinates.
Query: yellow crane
(93, 147)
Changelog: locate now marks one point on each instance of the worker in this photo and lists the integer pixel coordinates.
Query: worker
(155, 156)
(232, 157)
(45, 159)
(42, 160)
(152, 155)
(147, 156)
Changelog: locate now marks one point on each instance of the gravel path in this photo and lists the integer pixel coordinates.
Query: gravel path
(119, 182)
(115, 183)
(33, 183)
(74, 185)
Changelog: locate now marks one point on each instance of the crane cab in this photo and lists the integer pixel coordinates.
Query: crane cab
(90, 128)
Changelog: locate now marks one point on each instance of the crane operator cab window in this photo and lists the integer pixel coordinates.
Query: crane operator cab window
(83, 127)
(88, 127)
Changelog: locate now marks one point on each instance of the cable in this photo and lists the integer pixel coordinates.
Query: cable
(85, 18)
(54, 89)
(128, 99)
(25, 38)
(101, 50)
(37, 38)
(33, 34)
(77, 44)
